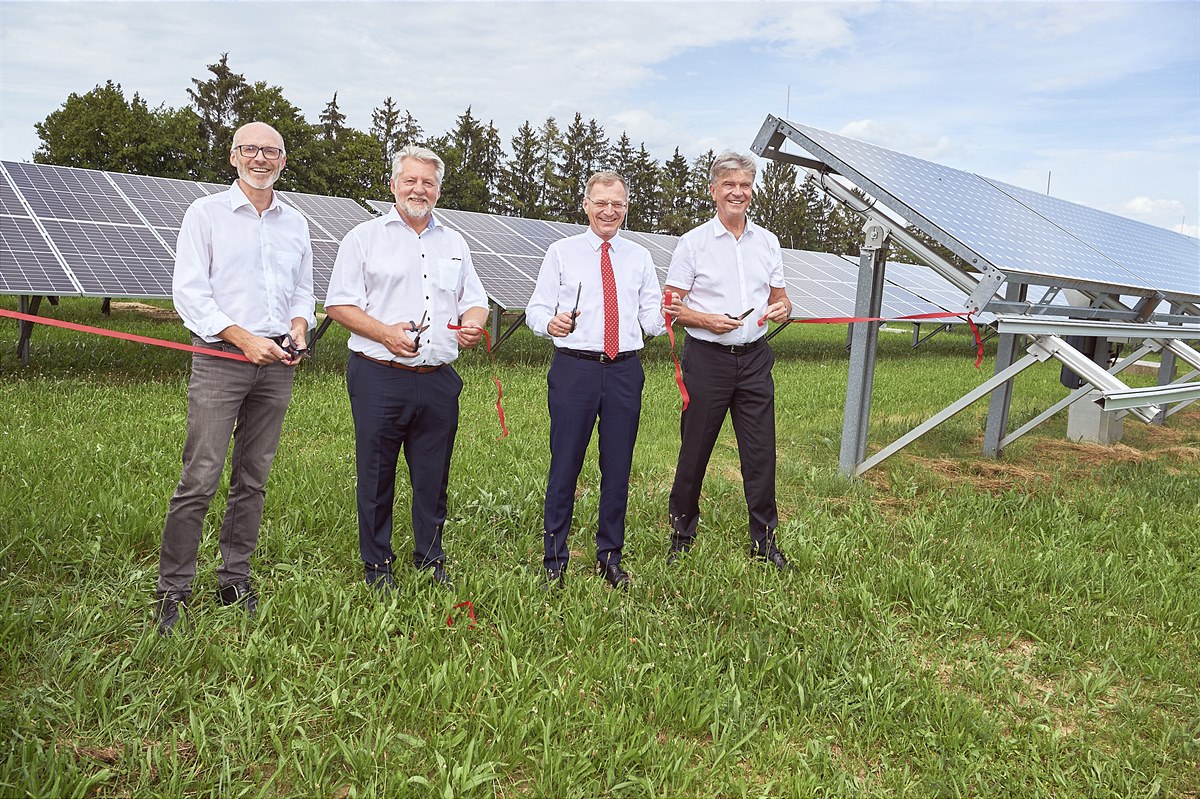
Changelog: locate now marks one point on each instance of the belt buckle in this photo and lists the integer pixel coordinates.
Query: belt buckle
(604, 358)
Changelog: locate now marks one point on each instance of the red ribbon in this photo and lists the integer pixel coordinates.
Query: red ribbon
(99, 331)
(470, 613)
(683, 392)
(849, 320)
(495, 379)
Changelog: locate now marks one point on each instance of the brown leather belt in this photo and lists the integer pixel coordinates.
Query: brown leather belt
(421, 370)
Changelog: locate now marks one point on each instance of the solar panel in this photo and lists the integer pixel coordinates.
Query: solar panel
(324, 255)
(113, 260)
(332, 216)
(821, 284)
(380, 207)
(59, 192)
(972, 217)
(507, 285)
(1165, 258)
(10, 203)
(162, 201)
(27, 264)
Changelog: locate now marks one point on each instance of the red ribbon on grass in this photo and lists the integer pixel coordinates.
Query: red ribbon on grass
(850, 320)
(495, 379)
(683, 392)
(470, 613)
(99, 331)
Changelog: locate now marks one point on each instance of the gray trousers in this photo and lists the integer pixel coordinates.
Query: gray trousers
(226, 399)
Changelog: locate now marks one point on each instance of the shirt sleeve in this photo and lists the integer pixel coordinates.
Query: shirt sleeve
(650, 300)
(540, 309)
(348, 283)
(191, 284)
(682, 271)
(471, 294)
(304, 303)
(776, 279)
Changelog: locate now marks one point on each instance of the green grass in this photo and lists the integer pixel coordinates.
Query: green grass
(956, 626)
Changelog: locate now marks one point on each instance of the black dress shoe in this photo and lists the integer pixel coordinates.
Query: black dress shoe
(382, 582)
(239, 593)
(169, 608)
(678, 550)
(553, 580)
(775, 557)
(440, 578)
(614, 574)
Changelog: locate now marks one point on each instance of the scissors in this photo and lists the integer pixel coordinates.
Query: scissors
(418, 328)
(575, 310)
(288, 345)
(743, 316)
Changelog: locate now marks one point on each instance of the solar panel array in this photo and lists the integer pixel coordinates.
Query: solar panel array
(1017, 231)
(68, 231)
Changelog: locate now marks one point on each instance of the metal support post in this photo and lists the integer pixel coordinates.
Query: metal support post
(1166, 371)
(1006, 353)
(27, 305)
(864, 342)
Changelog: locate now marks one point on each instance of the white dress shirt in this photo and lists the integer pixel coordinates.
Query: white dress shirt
(575, 261)
(726, 275)
(396, 275)
(234, 267)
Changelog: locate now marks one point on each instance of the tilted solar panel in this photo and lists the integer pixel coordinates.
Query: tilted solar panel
(113, 260)
(162, 201)
(329, 217)
(27, 264)
(10, 203)
(59, 192)
(971, 216)
(1165, 258)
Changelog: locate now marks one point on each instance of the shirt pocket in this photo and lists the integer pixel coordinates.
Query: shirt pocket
(288, 266)
(449, 272)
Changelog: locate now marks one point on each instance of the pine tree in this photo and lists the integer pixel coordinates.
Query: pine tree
(333, 121)
(217, 101)
(521, 177)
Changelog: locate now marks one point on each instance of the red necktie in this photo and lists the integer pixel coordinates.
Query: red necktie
(612, 322)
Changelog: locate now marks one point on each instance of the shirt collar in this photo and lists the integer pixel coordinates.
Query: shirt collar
(238, 198)
(721, 230)
(394, 216)
(595, 241)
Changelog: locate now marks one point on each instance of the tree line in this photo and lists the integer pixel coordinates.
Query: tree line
(541, 175)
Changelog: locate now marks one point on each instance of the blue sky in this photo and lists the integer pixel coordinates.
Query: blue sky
(1103, 95)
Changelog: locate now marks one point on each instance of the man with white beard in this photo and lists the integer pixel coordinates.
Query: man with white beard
(243, 283)
(400, 281)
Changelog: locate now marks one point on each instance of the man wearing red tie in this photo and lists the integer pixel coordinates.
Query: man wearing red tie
(596, 293)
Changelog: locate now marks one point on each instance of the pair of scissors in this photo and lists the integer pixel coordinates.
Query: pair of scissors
(418, 328)
(575, 310)
(743, 316)
(288, 345)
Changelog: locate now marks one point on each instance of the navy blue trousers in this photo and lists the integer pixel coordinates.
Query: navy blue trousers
(720, 383)
(396, 409)
(579, 393)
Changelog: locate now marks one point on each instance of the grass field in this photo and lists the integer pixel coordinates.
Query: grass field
(956, 626)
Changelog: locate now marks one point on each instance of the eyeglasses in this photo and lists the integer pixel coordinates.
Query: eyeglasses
(616, 205)
(252, 151)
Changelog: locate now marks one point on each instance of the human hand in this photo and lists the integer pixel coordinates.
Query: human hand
(562, 324)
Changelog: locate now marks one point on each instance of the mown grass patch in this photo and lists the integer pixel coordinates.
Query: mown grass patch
(956, 625)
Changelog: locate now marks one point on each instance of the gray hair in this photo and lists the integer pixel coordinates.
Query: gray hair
(604, 176)
(418, 153)
(730, 161)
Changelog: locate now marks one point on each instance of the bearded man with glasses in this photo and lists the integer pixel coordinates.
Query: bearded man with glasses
(243, 283)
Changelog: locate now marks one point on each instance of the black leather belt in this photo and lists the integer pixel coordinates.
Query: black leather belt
(735, 349)
(587, 355)
(421, 370)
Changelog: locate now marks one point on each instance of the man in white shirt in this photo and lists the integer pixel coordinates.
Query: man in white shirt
(242, 283)
(397, 283)
(595, 295)
(725, 275)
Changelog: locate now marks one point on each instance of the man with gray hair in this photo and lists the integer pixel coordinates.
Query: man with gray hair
(243, 283)
(725, 276)
(397, 283)
(595, 295)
